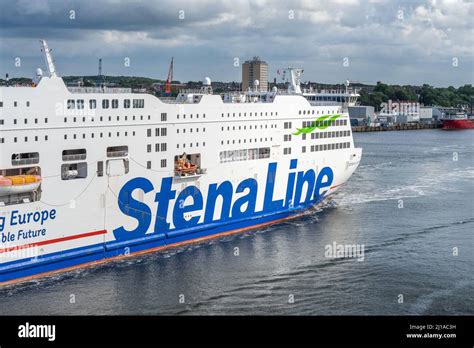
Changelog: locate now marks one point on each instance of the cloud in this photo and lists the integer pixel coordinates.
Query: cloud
(392, 41)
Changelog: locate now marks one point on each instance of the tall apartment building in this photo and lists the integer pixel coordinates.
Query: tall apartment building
(252, 70)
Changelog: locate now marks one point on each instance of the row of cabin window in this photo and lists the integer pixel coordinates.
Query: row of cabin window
(325, 123)
(25, 158)
(15, 121)
(101, 135)
(191, 145)
(158, 131)
(287, 151)
(190, 116)
(163, 118)
(311, 112)
(162, 164)
(81, 154)
(245, 141)
(244, 154)
(36, 138)
(15, 139)
(250, 127)
(101, 118)
(287, 125)
(74, 119)
(250, 114)
(15, 104)
(327, 147)
(67, 155)
(332, 134)
(190, 130)
(79, 103)
(158, 147)
(287, 137)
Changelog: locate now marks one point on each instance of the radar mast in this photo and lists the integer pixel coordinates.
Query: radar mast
(48, 58)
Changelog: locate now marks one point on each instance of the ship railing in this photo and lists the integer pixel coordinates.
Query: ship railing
(117, 153)
(350, 91)
(99, 90)
(189, 174)
(324, 103)
(170, 100)
(332, 91)
(77, 157)
(22, 161)
(195, 91)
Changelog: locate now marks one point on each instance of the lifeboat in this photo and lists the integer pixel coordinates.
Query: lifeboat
(187, 167)
(16, 184)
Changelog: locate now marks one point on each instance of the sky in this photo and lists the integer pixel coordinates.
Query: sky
(397, 42)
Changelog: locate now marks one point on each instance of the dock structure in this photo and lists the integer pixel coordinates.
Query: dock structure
(397, 127)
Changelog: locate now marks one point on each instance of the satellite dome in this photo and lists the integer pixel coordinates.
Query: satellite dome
(274, 89)
(256, 82)
(39, 72)
(206, 81)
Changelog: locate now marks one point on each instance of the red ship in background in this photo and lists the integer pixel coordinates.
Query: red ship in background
(458, 121)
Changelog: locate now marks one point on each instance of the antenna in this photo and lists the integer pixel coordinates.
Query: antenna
(295, 80)
(48, 58)
(100, 77)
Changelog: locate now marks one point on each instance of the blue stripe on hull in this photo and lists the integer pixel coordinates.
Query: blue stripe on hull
(97, 252)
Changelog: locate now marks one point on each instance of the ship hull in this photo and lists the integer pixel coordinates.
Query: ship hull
(458, 124)
(69, 250)
(96, 254)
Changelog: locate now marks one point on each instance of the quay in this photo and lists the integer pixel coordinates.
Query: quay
(396, 127)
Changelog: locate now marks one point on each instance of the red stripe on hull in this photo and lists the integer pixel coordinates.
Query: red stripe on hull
(147, 251)
(52, 241)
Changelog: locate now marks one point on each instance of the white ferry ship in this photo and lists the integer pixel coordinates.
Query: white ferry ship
(91, 174)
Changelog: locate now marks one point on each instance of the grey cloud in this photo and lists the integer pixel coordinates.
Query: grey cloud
(212, 33)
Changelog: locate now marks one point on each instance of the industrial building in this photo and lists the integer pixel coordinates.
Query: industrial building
(361, 115)
(426, 114)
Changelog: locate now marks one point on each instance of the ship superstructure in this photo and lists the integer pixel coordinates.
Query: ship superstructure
(89, 174)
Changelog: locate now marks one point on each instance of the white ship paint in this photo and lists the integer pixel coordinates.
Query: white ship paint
(87, 174)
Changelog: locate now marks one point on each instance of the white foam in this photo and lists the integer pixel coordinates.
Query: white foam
(423, 186)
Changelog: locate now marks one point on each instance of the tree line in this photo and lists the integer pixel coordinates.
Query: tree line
(425, 94)
(369, 95)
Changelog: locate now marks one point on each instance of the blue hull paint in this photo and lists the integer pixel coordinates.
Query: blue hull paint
(97, 252)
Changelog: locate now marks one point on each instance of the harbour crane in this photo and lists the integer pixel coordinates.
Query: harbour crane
(169, 79)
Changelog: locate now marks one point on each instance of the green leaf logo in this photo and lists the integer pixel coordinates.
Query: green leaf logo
(321, 123)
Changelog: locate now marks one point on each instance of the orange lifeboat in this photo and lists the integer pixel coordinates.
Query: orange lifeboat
(16, 184)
